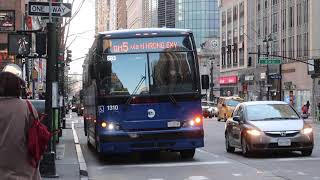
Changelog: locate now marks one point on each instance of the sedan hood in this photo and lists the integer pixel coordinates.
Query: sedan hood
(278, 125)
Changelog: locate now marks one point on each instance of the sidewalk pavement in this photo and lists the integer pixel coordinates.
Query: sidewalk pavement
(67, 161)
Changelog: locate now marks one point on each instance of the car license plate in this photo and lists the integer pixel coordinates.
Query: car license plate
(284, 142)
(173, 124)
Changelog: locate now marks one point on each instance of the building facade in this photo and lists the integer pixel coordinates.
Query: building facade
(102, 15)
(121, 15)
(202, 17)
(159, 13)
(135, 18)
(12, 15)
(285, 28)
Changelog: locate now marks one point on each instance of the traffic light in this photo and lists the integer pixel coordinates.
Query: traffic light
(69, 56)
(41, 43)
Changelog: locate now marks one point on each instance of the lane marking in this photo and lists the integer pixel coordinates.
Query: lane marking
(76, 139)
(155, 179)
(206, 152)
(301, 173)
(196, 178)
(82, 162)
(297, 159)
(237, 175)
(166, 165)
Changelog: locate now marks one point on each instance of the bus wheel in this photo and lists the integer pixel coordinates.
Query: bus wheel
(187, 154)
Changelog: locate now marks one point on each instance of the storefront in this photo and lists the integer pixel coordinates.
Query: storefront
(229, 85)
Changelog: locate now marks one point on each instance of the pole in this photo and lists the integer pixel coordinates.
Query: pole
(268, 91)
(211, 84)
(280, 85)
(47, 165)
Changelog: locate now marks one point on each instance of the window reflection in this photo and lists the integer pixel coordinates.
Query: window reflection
(171, 72)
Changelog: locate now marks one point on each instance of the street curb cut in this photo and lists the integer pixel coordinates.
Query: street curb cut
(81, 160)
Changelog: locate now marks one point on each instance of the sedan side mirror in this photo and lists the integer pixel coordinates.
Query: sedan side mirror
(236, 118)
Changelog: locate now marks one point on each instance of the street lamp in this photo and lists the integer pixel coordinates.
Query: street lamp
(266, 43)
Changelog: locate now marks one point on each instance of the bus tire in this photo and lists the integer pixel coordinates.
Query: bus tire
(187, 154)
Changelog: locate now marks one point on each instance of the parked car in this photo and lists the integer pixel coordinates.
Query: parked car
(80, 109)
(209, 109)
(226, 106)
(267, 126)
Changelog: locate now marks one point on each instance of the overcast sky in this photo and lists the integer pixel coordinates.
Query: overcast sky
(83, 22)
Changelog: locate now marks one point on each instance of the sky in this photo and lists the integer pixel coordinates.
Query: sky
(84, 23)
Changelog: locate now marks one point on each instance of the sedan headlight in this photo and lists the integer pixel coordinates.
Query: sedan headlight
(306, 130)
(254, 132)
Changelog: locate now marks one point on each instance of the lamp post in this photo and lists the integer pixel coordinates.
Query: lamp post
(266, 43)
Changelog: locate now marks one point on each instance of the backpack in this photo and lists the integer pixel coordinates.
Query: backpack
(38, 138)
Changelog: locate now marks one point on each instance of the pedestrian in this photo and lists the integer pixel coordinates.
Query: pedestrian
(304, 109)
(15, 121)
(308, 105)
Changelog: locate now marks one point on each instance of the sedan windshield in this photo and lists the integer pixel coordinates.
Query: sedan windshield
(270, 112)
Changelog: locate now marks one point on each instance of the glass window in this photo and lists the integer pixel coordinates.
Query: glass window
(232, 103)
(270, 111)
(171, 72)
(122, 80)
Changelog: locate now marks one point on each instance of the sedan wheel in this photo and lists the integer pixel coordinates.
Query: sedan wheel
(306, 152)
(227, 143)
(244, 147)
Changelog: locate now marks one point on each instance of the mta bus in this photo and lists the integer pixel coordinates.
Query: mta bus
(142, 92)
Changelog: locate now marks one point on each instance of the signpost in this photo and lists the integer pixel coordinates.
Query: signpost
(270, 60)
(42, 9)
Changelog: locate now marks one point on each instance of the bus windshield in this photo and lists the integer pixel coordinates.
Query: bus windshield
(162, 71)
(170, 72)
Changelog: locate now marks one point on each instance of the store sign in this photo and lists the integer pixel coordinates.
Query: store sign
(7, 20)
(228, 80)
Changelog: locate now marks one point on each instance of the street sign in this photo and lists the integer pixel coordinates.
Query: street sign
(269, 60)
(42, 9)
(275, 76)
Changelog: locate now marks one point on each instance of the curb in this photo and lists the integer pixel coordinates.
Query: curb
(81, 160)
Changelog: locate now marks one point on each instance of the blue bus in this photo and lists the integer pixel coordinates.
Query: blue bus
(142, 92)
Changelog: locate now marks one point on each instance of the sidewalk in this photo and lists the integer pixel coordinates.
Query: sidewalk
(67, 164)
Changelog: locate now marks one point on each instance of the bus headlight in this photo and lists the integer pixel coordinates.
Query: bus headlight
(193, 122)
(110, 126)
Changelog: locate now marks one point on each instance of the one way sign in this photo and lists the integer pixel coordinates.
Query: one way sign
(42, 9)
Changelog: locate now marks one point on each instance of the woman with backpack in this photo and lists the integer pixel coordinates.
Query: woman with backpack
(15, 121)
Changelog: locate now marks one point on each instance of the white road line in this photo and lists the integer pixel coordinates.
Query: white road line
(196, 178)
(301, 173)
(167, 165)
(316, 177)
(237, 175)
(298, 159)
(206, 152)
(76, 139)
(155, 179)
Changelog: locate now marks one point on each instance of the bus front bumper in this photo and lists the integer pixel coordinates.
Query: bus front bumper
(124, 142)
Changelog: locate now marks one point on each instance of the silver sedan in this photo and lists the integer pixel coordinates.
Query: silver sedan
(267, 126)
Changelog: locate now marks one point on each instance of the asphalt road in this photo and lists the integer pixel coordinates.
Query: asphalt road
(210, 163)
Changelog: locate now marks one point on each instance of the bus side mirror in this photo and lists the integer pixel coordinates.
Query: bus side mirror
(205, 81)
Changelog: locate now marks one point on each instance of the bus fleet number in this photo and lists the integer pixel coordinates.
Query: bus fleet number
(112, 107)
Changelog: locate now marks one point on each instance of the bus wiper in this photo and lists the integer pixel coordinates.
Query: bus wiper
(135, 90)
(173, 100)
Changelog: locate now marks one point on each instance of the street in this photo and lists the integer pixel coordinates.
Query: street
(210, 163)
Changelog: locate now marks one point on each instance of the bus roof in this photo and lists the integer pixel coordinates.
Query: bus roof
(144, 32)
